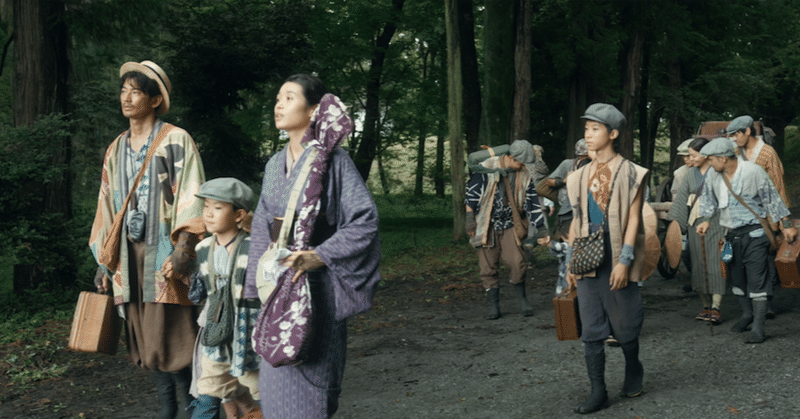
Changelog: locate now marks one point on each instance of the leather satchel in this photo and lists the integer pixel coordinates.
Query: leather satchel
(109, 253)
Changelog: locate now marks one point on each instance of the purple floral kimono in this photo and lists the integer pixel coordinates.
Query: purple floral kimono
(350, 247)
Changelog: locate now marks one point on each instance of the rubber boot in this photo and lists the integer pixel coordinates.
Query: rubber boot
(527, 310)
(183, 384)
(204, 407)
(747, 315)
(493, 295)
(598, 399)
(634, 371)
(757, 335)
(165, 387)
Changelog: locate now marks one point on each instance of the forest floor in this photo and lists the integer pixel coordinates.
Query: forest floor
(426, 351)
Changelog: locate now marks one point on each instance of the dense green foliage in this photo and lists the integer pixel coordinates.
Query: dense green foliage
(697, 60)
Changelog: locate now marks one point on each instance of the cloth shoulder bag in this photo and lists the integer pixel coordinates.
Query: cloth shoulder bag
(283, 331)
(520, 226)
(547, 191)
(764, 223)
(588, 253)
(221, 310)
(109, 253)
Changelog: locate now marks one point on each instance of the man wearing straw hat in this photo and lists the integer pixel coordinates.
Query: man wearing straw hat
(150, 176)
(744, 195)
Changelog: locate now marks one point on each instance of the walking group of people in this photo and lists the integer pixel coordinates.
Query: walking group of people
(184, 277)
(601, 195)
(730, 201)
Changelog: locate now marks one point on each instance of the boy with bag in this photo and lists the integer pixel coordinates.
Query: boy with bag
(228, 362)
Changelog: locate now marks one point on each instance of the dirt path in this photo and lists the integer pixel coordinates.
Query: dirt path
(425, 351)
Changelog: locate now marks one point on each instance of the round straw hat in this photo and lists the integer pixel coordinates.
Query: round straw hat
(673, 243)
(153, 72)
(652, 246)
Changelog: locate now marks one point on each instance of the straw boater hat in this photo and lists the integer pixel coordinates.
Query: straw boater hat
(153, 72)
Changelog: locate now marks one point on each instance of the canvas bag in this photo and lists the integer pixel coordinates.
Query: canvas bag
(588, 251)
(220, 313)
(282, 335)
(109, 253)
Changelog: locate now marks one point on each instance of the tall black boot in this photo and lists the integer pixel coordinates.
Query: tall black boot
(598, 399)
(527, 310)
(493, 295)
(759, 318)
(634, 371)
(165, 386)
(747, 315)
(183, 383)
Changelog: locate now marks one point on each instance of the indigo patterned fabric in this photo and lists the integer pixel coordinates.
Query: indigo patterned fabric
(343, 288)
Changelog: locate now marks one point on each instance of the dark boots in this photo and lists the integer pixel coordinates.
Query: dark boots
(527, 310)
(634, 371)
(747, 315)
(165, 387)
(205, 407)
(598, 399)
(172, 387)
(493, 295)
(757, 335)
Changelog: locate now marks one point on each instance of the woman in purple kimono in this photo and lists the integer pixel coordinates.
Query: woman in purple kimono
(343, 253)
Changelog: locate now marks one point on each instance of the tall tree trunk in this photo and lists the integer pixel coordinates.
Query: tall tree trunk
(454, 115)
(369, 136)
(41, 67)
(521, 119)
(646, 141)
(630, 90)
(382, 174)
(470, 75)
(420, 170)
(679, 128)
(498, 75)
(441, 131)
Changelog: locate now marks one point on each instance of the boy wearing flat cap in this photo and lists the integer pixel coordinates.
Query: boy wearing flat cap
(751, 269)
(753, 149)
(502, 210)
(139, 222)
(228, 362)
(606, 197)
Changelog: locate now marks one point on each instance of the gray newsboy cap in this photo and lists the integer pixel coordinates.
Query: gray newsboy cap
(228, 189)
(742, 122)
(683, 149)
(522, 151)
(718, 147)
(607, 114)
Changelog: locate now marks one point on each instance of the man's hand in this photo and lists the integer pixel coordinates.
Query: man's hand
(101, 281)
(619, 277)
(303, 260)
(790, 234)
(702, 228)
(543, 241)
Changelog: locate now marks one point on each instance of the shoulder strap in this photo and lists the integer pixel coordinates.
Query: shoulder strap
(162, 133)
(764, 223)
(288, 216)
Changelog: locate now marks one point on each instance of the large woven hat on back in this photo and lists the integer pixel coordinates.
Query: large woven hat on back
(673, 244)
(652, 246)
(153, 72)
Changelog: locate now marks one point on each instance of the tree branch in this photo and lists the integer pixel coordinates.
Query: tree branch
(5, 52)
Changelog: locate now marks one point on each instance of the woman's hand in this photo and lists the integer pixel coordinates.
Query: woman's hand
(303, 260)
(619, 277)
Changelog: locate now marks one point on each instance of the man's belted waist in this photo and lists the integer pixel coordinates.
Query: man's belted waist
(740, 232)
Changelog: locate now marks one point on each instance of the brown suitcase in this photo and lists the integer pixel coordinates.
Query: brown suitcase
(786, 261)
(95, 325)
(568, 322)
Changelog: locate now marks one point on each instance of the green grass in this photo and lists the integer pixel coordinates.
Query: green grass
(408, 223)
